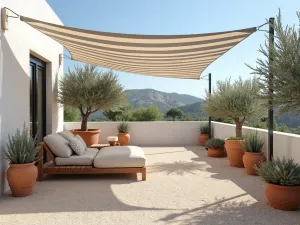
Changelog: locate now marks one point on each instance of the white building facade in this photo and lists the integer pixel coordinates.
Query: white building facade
(29, 73)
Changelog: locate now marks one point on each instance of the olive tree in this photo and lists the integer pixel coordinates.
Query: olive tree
(285, 67)
(238, 100)
(174, 113)
(89, 90)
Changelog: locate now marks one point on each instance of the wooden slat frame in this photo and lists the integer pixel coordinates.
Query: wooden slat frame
(51, 168)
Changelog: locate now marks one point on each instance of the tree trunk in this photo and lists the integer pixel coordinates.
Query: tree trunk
(84, 119)
(238, 129)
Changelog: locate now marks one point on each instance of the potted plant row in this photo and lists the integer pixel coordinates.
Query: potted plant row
(22, 154)
(89, 90)
(204, 134)
(215, 147)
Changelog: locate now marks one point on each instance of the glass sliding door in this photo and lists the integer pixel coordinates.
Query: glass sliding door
(37, 98)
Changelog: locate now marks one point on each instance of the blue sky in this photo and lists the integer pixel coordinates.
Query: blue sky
(179, 17)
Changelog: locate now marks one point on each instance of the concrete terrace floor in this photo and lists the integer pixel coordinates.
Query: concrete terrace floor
(183, 186)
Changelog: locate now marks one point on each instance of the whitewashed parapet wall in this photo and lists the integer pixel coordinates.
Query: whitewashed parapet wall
(160, 133)
(285, 144)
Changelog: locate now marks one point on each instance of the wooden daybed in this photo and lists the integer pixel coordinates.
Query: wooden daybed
(51, 168)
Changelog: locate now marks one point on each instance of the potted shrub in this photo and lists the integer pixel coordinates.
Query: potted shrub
(237, 101)
(282, 179)
(123, 136)
(204, 134)
(90, 90)
(215, 147)
(21, 153)
(253, 156)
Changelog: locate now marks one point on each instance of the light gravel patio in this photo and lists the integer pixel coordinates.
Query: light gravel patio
(183, 186)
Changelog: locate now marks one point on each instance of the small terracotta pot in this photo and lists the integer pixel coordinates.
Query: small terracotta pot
(235, 152)
(217, 153)
(285, 198)
(124, 138)
(250, 159)
(112, 143)
(21, 178)
(90, 137)
(203, 138)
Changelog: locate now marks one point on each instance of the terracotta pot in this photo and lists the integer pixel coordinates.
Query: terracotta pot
(91, 137)
(235, 152)
(211, 152)
(21, 178)
(283, 197)
(124, 138)
(250, 159)
(203, 138)
(112, 143)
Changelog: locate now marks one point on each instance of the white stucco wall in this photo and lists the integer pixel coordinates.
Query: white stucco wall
(284, 144)
(185, 133)
(16, 45)
(160, 133)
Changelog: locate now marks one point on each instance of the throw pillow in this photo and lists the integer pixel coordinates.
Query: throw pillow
(66, 135)
(77, 146)
(81, 140)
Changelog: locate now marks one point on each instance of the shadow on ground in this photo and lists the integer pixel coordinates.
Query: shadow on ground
(73, 194)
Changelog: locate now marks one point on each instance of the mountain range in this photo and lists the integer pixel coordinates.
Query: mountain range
(190, 105)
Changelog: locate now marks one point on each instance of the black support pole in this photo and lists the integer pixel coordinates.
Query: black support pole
(209, 91)
(270, 112)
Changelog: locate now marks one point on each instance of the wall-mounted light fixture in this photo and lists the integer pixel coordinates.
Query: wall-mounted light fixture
(4, 19)
(60, 59)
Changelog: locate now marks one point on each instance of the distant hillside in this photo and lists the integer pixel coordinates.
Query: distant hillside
(164, 101)
(193, 110)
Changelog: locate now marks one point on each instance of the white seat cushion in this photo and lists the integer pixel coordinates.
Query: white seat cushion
(58, 145)
(86, 159)
(112, 138)
(120, 156)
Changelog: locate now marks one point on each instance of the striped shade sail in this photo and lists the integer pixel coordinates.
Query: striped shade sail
(176, 56)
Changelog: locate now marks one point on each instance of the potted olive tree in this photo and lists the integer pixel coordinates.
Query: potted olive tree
(123, 136)
(282, 177)
(21, 153)
(215, 147)
(253, 156)
(238, 101)
(90, 90)
(204, 134)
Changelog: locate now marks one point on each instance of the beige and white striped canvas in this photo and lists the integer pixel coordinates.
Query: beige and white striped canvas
(176, 56)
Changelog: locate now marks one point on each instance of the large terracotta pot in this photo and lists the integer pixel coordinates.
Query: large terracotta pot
(21, 178)
(217, 153)
(124, 138)
(235, 152)
(203, 138)
(283, 197)
(250, 159)
(90, 137)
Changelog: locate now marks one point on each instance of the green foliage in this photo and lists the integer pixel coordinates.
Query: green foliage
(253, 143)
(21, 147)
(204, 129)
(215, 143)
(90, 90)
(123, 113)
(285, 67)
(174, 113)
(147, 114)
(70, 114)
(281, 172)
(237, 101)
(236, 138)
(123, 127)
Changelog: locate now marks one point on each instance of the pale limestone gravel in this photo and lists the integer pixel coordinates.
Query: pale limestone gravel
(183, 186)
